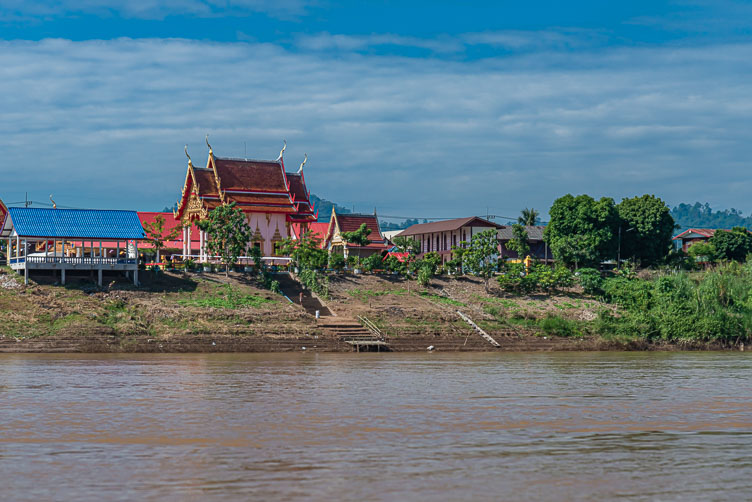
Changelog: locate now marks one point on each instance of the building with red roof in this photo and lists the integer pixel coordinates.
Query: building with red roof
(276, 203)
(350, 222)
(694, 235)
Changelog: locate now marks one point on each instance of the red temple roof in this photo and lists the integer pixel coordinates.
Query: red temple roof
(260, 186)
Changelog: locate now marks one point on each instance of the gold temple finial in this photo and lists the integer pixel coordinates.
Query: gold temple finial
(282, 152)
(54, 206)
(305, 159)
(190, 162)
(207, 144)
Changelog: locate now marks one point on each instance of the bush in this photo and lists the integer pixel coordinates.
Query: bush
(591, 281)
(336, 261)
(393, 264)
(373, 262)
(314, 281)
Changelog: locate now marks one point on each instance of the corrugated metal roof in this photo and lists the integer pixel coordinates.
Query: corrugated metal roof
(76, 223)
(534, 233)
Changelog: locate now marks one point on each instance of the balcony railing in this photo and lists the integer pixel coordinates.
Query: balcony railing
(74, 260)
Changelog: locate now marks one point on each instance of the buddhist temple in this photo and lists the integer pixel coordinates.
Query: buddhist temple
(276, 203)
(350, 222)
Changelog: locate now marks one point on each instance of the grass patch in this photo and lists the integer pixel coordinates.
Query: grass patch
(441, 299)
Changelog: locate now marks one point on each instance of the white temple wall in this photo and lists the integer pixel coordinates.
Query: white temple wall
(269, 225)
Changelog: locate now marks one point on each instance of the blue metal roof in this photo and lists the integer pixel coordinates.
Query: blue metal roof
(76, 223)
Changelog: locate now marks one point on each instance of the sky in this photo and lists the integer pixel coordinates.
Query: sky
(415, 108)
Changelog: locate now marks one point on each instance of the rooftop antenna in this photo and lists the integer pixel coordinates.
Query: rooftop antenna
(245, 150)
(27, 202)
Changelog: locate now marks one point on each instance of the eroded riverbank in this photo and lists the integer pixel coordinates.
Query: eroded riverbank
(211, 313)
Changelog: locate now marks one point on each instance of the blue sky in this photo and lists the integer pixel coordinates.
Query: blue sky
(418, 108)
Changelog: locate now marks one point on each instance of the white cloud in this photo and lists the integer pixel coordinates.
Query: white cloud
(150, 9)
(103, 123)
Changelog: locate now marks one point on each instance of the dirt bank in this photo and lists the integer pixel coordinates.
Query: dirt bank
(211, 313)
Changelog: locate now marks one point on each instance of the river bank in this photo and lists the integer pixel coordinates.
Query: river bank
(211, 313)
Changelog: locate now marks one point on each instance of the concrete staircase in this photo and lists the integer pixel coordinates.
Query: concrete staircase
(352, 332)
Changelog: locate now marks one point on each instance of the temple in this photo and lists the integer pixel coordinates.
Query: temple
(350, 222)
(276, 203)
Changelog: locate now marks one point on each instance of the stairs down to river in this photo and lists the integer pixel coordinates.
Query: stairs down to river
(352, 332)
(292, 289)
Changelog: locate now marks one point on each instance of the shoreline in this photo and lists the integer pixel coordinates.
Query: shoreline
(204, 313)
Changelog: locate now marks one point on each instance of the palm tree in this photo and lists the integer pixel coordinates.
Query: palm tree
(528, 217)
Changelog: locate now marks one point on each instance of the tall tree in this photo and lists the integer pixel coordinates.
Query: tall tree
(582, 230)
(528, 217)
(480, 254)
(358, 237)
(228, 234)
(156, 236)
(646, 229)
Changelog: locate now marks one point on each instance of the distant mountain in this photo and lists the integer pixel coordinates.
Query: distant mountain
(387, 226)
(702, 216)
(324, 207)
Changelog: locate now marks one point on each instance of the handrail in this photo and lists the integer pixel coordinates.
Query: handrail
(371, 327)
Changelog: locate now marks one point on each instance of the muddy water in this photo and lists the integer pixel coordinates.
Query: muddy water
(585, 426)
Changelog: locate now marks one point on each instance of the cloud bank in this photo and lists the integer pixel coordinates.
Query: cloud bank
(103, 123)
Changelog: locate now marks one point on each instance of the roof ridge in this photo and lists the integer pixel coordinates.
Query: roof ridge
(238, 159)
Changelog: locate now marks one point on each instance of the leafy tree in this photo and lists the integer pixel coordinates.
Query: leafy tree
(411, 248)
(393, 264)
(520, 242)
(358, 237)
(455, 264)
(155, 234)
(582, 230)
(650, 226)
(528, 217)
(480, 255)
(735, 244)
(228, 234)
(305, 252)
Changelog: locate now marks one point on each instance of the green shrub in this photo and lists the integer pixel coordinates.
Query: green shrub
(559, 326)
(591, 281)
(336, 261)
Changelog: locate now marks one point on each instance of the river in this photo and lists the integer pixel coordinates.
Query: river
(407, 427)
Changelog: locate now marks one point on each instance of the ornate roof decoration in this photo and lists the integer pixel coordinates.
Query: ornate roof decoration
(282, 152)
(256, 186)
(300, 169)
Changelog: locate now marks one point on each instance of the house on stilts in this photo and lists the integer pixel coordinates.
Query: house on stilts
(72, 240)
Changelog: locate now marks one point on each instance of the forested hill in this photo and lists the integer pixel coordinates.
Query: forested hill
(324, 207)
(702, 216)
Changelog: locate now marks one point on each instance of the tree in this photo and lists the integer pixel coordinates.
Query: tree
(480, 255)
(735, 244)
(702, 252)
(582, 231)
(358, 237)
(155, 234)
(305, 252)
(646, 229)
(427, 267)
(528, 217)
(228, 234)
(520, 243)
(411, 248)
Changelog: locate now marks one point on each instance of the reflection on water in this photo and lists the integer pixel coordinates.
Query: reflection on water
(546, 426)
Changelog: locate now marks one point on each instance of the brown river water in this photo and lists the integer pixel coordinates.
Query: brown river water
(396, 427)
